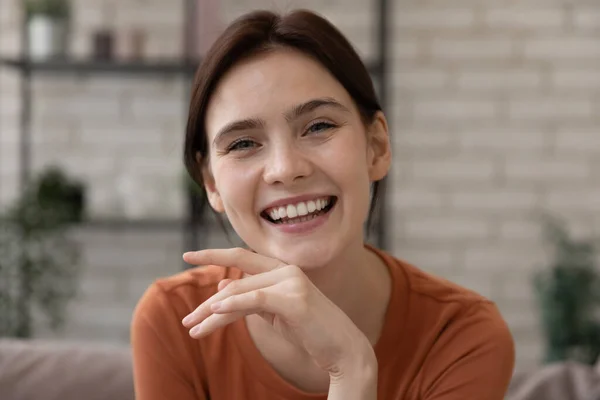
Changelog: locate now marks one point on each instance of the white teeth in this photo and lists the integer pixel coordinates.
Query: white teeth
(291, 211)
(282, 213)
(302, 209)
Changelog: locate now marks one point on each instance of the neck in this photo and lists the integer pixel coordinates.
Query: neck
(358, 282)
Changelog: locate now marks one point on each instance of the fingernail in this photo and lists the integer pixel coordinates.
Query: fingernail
(216, 306)
(187, 319)
(187, 254)
(195, 330)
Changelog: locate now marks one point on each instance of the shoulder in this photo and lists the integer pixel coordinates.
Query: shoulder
(162, 349)
(457, 307)
(458, 333)
(436, 288)
(474, 349)
(172, 298)
(450, 304)
(434, 295)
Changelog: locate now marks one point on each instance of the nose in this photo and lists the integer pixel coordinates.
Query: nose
(286, 164)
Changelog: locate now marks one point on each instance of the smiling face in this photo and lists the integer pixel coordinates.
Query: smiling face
(290, 159)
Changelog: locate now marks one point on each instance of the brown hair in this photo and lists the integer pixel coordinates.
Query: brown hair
(261, 31)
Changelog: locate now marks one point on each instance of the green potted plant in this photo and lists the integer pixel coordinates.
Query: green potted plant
(39, 263)
(66, 195)
(568, 293)
(47, 28)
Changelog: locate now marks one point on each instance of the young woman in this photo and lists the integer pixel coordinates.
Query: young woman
(286, 134)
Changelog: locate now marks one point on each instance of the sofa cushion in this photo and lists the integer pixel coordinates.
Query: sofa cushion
(50, 370)
(558, 381)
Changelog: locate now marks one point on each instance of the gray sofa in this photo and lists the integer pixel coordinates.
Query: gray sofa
(45, 370)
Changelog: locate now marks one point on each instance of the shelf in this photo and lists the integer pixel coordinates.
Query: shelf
(144, 225)
(143, 67)
(139, 224)
(109, 224)
(67, 65)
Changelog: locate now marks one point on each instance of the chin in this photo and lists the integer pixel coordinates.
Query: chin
(307, 255)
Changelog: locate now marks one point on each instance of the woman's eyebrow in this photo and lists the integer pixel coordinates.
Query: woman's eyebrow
(239, 125)
(311, 105)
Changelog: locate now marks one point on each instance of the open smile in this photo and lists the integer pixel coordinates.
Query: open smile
(303, 211)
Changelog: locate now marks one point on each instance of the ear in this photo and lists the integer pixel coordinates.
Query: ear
(214, 198)
(379, 152)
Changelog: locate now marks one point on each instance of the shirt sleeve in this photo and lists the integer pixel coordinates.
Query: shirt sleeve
(162, 351)
(473, 358)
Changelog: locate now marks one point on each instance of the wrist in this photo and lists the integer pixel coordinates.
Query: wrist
(356, 382)
(357, 374)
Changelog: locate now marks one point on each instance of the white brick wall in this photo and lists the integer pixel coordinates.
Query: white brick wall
(578, 141)
(499, 140)
(510, 229)
(457, 170)
(453, 18)
(519, 18)
(560, 49)
(503, 80)
(548, 171)
(447, 48)
(552, 109)
(441, 228)
(577, 80)
(586, 18)
(498, 198)
(454, 110)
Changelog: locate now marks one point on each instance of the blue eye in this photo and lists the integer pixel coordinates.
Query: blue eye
(319, 126)
(242, 144)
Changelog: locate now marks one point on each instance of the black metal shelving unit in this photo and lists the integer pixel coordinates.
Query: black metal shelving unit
(183, 68)
(121, 67)
(146, 68)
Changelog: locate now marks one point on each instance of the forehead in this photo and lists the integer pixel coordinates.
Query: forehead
(269, 84)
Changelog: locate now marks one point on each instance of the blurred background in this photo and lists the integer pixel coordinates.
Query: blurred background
(494, 110)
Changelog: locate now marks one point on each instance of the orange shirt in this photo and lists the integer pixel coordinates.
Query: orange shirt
(439, 342)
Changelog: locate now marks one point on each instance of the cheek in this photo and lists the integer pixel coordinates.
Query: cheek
(346, 159)
(347, 164)
(236, 183)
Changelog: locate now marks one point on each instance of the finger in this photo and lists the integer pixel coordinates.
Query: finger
(272, 300)
(223, 284)
(214, 322)
(246, 260)
(238, 286)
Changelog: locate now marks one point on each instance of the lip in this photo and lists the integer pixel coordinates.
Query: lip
(295, 200)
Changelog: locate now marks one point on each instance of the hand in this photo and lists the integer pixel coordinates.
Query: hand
(284, 297)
